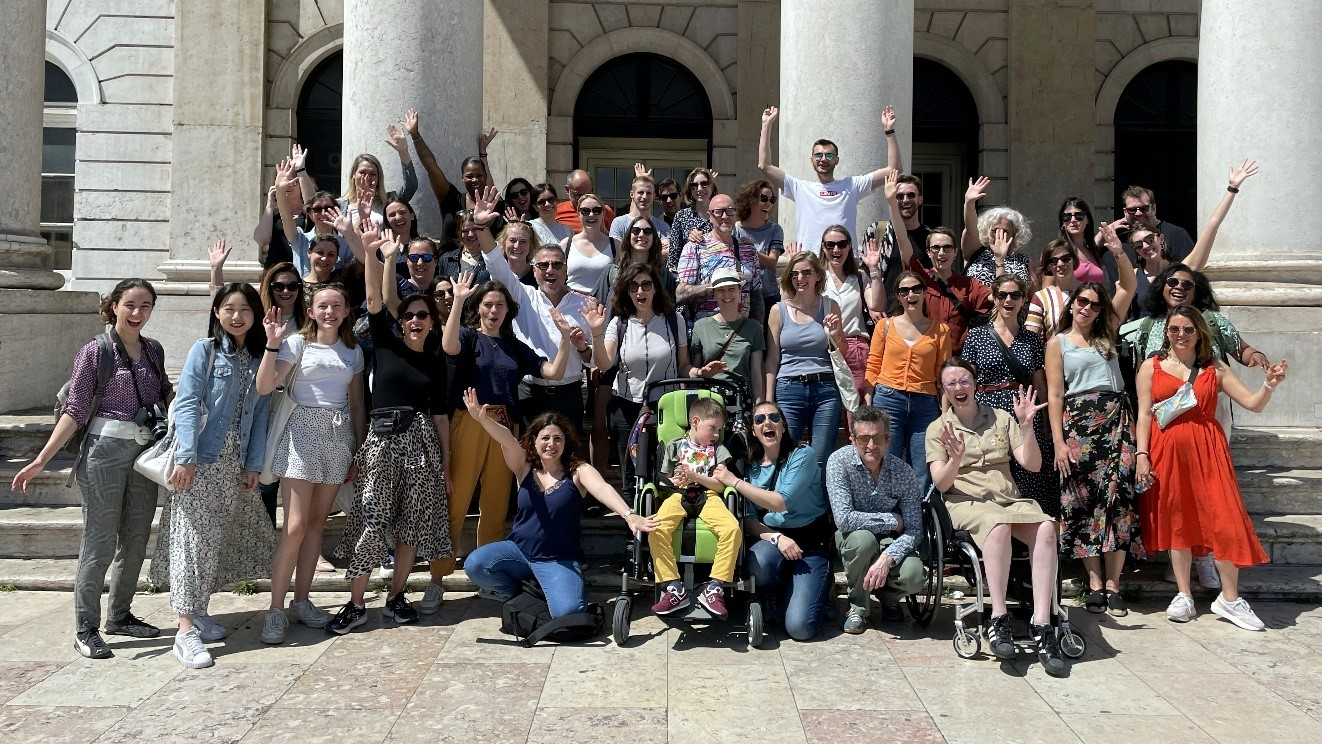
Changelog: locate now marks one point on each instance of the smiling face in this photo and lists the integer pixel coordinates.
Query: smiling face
(641, 234)
(545, 204)
(1140, 211)
(329, 309)
(549, 444)
(1179, 289)
(1149, 246)
(641, 196)
(959, 386)
(1061, 264)
(909, 199)
(642, 290)
(1182, 334)
(444, 294)
(399, 218)
(518, 241)
(591, 212)
(835, 248)
(320, 211)
(415, 320)
(701, 188)
(475, 176)
(1009, 300)
(941, 249)
(285, 287)
(721, 214)
(323, 254)
(770, 428)
(365, 176)
(549, 269)
(468, 234)
(236, 316)
(669, 198)
(1087, 308)
(491, 312)
(824, 160)
(727, 296)
(766, 201)
(803, 278)
(909, 292)
(422, 263)
(519, 197)
(133, 310)
(870, 441)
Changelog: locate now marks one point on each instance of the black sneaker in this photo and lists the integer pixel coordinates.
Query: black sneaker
(88, 643)
(892, 613)
(399, 610)
(131, 626)
(349, 617)
(1000, 636)
(1048, 650)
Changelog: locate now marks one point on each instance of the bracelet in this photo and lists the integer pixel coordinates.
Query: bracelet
(481, 154)
(300, 170)
(1142, 452)
(276, 349)
(888, 132)
(481, 226)
(1232, 189)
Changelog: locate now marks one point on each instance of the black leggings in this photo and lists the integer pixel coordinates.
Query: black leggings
(621, 413)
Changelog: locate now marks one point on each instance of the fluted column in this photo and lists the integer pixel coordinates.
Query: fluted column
(423, 54)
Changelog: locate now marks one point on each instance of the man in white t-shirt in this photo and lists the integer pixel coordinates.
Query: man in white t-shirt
(826, 201)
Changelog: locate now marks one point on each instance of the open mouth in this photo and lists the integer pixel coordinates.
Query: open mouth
(961, 397)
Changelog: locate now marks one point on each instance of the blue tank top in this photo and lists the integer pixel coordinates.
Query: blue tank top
(803, 346)
(546, 524)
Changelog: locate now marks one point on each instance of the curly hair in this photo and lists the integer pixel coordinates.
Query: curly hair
(1108, 339)
(109, 301)
(747, 198)
(1154, 302)
(570, 457)
(1018, 222)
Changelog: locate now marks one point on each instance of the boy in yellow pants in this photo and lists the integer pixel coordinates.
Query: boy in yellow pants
(689, 463)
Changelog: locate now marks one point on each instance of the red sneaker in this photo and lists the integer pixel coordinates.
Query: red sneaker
(673, 599)
(712, 599)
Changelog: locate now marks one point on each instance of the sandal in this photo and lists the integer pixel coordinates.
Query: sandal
(1115, 605)
(1096, 602)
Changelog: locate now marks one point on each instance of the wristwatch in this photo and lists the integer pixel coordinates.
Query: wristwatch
(775, 539)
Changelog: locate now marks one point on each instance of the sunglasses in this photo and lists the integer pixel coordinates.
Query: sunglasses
(700, 184)
(1053, 260)
(546, 201)
(1184, 284)
(550, 265)
(1144, 242)
(1073, 217)
(832, 245)
(321, 208)
(419, 314)
(586, 211)
(1175, 330)
(766, 199)
(1140, 209)
(870, 438)
(911, 289)
(1096, 305)
(906, 196)
(722, 212)
(804, 273)
(293, 286)
(941, 248)
(641, 286)
(642, 230)
(421, 258)
(444, 292)
(762, 418)
(828, 156)
(668, 197)
(1015, 295)
(518, 194)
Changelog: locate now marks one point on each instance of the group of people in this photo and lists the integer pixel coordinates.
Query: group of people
(417, 370)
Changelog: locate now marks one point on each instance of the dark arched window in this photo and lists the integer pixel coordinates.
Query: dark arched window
(945, 138)
(319, 130)
(1156, 139)
(58, 155)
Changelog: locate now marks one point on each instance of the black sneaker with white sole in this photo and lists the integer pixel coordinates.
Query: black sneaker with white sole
(1000, 636)
(399, 610)
(349, 617)
(1048, 650)
(128, 625)
(88, 643)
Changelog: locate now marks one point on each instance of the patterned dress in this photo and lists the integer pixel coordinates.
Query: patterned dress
(983, 266)
(982, 348)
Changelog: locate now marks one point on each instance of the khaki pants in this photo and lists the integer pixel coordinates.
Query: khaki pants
(859, 550)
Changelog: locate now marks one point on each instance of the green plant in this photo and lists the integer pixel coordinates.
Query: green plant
(8, 588)
(147, 586)
(245, 587)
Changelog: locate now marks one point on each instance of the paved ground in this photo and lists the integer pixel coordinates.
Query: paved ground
(455, 678)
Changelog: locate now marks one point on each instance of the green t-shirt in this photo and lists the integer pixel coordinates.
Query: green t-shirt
(710, 333)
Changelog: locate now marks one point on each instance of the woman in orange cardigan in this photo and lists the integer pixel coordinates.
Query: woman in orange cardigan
(904, 363)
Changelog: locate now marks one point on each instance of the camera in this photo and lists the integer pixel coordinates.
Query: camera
(151, 420)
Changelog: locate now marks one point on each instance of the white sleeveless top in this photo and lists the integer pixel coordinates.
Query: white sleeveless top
(583, 272)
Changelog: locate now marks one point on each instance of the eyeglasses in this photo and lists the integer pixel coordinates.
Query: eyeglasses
(827, 156)
(804, 273)
(762, 418)
(322, 208)
(870, 438)
(722, 212)
(832, 245)
(518, 194)
(1014, 295)
(1184, 284)
(445, 292)
(410, 315)
(668, 197)
(586, 211)
(766, 199)
(906, 196)
(1073, 217)
(546, 201)
(421, 258)
(700, 184)
(641, 286)
(941, 248)
(910, 289)
(1174, 330)
(957, 384)
(550, 265)
(1051, 261)
(293, 286)
(642, 230)
(1096, 305)
(1140, 209)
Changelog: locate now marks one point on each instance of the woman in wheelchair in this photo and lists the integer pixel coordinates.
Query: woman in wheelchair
(786, 516)
(544, 542)
(968, 451)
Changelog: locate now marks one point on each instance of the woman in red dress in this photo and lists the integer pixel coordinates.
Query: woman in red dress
(1192, 503)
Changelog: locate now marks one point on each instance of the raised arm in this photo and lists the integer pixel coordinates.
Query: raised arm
(603, 351)
(893, 164)
(463, 289)
(1253, 400)
(515, 458)
(1197, 258)
(483, 142)
(1127, 282)
(373, 269)
(969, 239)
(217, 256)
(440, 185)
(284, 178)
(306, 186)
(261, 235)
(270, 372)
(774, 174)
(398, 141)
(555, 369)
(389, 280)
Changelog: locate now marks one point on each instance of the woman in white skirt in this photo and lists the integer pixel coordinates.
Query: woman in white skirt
(400, 500)
(314, 452)
(214, 529)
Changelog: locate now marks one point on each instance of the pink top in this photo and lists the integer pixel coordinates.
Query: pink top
(1088, 271)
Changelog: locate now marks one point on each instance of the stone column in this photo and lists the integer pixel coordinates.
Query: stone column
(841, 62)
(40, 330)
(758, 81)
(515, 53)
(401, 54)
(1258, 98)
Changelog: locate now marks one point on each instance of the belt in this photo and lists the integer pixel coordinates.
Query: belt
(998, 387)
(805, 379)
(104, 427)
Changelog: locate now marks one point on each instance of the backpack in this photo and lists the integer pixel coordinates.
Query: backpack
(105, 367)
(526, 617)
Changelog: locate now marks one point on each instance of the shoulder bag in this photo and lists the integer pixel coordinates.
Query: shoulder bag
(1170, 409)
(282, 407)
(157, 462)
(1021, 374)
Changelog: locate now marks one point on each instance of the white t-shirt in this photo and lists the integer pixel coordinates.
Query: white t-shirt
(818, 205)
(325, 372)
(646, 354)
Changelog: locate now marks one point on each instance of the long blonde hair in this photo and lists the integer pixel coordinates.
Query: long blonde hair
(352, 189)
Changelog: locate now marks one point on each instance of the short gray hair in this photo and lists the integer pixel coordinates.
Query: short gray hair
(1021, 232)
(871, 415)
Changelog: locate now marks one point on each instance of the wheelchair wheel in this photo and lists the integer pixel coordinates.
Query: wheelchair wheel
(1072, 644)
(620, 621)
(967, 644)
(924, 603)
(755, 623)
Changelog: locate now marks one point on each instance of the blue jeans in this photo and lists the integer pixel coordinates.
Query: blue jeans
(804, 595)
(814, 406)
(910, 413)
(500, 567)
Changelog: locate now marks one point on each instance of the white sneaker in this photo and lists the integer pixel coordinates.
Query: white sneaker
(1207, 573)
(431, 599)
(190, 652)
(1237, 612)
(1181, 609)
(209, 628)
(308, 614)
(273, 628)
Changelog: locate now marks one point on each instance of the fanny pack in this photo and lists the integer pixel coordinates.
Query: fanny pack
(1184, 399)
(392, 420)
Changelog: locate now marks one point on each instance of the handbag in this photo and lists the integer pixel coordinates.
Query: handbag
(844, 379)
(282, 407)
(1170, 409)
(157, 462)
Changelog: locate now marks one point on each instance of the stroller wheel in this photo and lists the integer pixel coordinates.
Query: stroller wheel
(620, 621)
(1072, 644)
(967, 645)
(755, 624)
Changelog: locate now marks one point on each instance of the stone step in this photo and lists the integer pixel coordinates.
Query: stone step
(46, 489)
(1277, 490)
(1291, 539)
(22, 435)
(1267, 447)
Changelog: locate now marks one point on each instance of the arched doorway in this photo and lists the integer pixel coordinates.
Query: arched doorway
(318, 116)
(58, 155)
(945, 139)
(640, 108)
(1156, 139)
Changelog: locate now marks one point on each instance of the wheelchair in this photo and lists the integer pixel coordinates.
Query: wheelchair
(665, 418)
(942, 547)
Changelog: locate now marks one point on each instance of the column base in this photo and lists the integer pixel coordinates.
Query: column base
(1291, 335)
(1290, 281)
(40, 333)
(25, 263)
(182, 272)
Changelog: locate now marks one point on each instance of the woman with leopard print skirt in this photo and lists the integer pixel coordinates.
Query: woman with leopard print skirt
(400, 500)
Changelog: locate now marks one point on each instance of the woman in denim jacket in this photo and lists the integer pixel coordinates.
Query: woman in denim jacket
(214, 529)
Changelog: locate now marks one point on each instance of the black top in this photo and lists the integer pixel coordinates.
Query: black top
(493, 367)
(405, 377)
